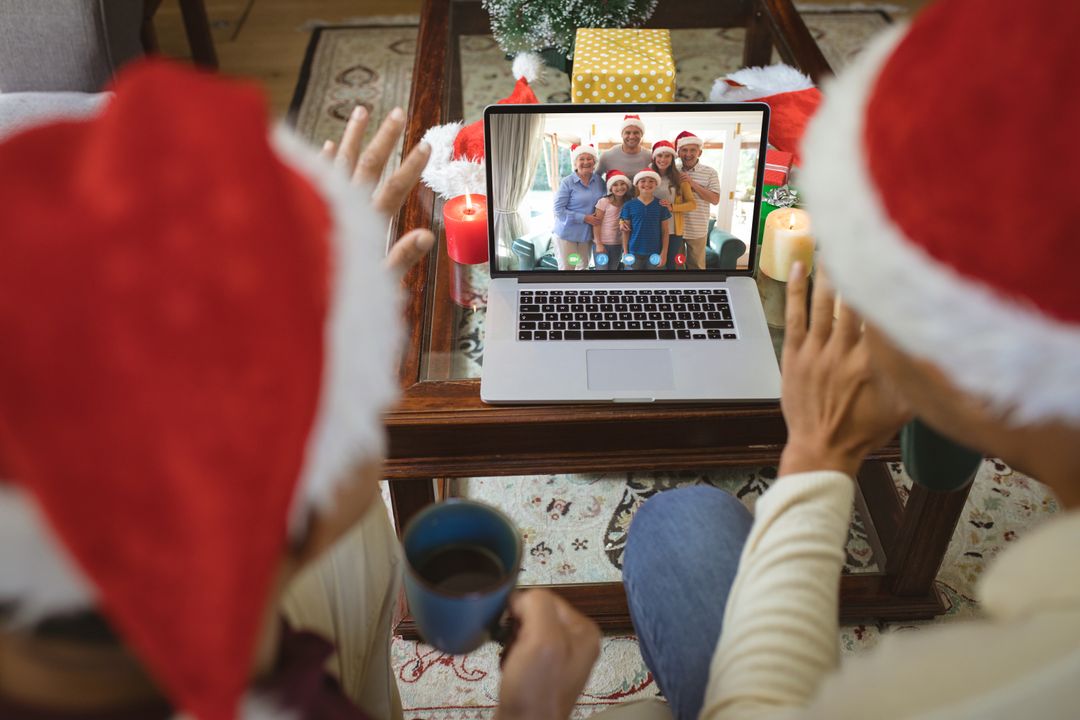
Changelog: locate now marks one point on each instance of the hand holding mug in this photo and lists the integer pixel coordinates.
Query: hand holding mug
(553, 652)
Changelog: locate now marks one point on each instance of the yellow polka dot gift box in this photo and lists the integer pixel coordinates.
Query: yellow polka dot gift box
(617, 65)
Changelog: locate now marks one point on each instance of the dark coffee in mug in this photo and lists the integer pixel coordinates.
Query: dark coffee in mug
(462, 569)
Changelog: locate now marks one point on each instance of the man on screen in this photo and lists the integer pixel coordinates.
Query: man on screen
(628, 157)
(706, 185)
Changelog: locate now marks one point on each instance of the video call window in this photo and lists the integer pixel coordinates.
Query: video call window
(542, 192)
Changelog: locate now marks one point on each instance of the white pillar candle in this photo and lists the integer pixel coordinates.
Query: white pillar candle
(787, 239)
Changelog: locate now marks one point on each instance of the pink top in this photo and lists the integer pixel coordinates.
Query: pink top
(609, 228)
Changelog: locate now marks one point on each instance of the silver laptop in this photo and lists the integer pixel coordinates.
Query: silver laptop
(567, 323)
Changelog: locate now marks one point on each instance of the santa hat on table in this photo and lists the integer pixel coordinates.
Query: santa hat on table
(663, 146)
(646, 174)
(577, 151)
(963, 266)
(791, 96)
(614, 176)
(632, 121)
(686, 138)
(457, 150)
(187, 308)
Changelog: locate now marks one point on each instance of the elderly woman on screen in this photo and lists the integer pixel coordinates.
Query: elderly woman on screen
(575, 201)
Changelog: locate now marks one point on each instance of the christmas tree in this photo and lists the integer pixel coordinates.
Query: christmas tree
(520, 25)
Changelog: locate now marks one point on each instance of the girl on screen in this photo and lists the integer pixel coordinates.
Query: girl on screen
(608, 242)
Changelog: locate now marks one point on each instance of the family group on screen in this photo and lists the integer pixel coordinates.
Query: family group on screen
(632, 209)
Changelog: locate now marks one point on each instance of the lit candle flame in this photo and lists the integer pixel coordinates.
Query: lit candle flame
(468, 203)
(791, 221)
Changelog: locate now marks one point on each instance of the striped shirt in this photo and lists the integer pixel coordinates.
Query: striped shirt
(696, 221)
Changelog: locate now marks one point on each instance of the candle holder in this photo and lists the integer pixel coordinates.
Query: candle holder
(465, 222)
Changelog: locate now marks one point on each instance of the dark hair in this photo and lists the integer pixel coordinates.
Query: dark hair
(671, 173)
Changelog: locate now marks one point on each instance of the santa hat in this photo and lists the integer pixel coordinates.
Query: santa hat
(646, 174)
(577, 151)
(663, 147)
(187, 367)
(686, 138)
(791, 96)
(632, 121)
(963, 266)
(457, 150)
(614, 176)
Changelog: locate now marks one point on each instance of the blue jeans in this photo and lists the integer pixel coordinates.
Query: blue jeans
(680, 561)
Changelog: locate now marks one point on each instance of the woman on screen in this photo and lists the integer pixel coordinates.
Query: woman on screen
(575, 203)
(676, 196)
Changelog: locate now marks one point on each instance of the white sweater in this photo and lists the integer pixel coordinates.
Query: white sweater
(778, 654)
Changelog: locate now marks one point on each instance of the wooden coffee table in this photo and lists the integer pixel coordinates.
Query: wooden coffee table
(442, 430)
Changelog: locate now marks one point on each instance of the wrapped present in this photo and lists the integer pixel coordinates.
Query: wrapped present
(777, 167)
(622, 65)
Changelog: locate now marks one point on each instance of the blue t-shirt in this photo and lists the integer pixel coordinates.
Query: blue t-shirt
(646, 222)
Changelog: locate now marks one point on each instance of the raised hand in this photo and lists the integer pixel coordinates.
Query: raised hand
(546, 667)
(365, 166)
(836, 407)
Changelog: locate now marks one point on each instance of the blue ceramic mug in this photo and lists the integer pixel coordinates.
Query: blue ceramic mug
(462, 560)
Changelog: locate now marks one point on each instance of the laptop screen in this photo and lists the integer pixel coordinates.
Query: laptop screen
(649, 188)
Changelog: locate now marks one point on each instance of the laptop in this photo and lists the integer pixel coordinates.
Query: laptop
(621, 326)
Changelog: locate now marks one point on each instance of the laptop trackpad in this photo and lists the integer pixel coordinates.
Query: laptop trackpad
(630, 369)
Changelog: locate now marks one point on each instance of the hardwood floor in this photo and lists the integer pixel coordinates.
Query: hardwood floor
(265, 39)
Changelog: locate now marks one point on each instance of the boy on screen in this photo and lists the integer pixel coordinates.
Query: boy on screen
(643, 221)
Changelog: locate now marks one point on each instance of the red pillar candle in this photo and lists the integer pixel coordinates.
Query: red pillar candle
(465, 221)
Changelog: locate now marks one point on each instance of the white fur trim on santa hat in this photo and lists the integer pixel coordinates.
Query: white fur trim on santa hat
(528, 65)
(446, 176)
(617, 177)
(1023, 363)
(646, 174)
(633, 122)
(759, 82)
(688, 140)
(582, 150)
(36, 571)
(359, 375)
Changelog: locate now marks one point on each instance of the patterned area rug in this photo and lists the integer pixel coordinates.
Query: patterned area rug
(575, 525)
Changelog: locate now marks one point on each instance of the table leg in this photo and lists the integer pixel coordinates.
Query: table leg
(408, 497)
(930, 518)
(757, 50)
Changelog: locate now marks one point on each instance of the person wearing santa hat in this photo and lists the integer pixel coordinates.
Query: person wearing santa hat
(677, 196)
(705, 183)
(199, 339)
(575, 209)
(607, 238)
(971, 329)
(629, 157)
(643, 222)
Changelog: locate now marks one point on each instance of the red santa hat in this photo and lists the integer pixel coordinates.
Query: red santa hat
(577, 151)
(614, 176)
(963, 266)
(663, 146)
(686, 138)
(457, 150)
(791, 96)
(646, 173)
(188, 367)
(632, 121)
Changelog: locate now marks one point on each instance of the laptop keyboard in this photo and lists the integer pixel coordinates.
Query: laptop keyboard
(703, 314)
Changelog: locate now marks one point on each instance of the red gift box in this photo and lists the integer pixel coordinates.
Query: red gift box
(777, 167)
